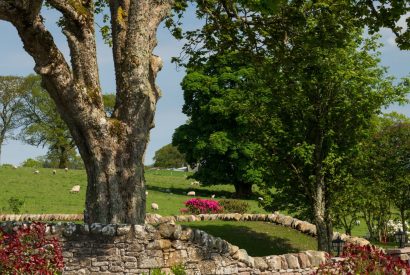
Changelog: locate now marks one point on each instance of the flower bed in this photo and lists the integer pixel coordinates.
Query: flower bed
(203, 206)
(367, 259)
(25, 250)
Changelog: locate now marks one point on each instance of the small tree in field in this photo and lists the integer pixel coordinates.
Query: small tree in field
(11, 106)
(169, 157)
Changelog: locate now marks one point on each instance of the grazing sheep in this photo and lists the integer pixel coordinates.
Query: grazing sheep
(54, 172)
(66, 169)
(154, 206)
(197, 183)
(357, 222)
(191, 193)
(75, 189)
(36, 172)
(213, 196)
(15, 167)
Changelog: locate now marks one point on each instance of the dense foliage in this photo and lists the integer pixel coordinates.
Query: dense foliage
(216, 137)
(12, 89)
(365, 260)
(203, 206)
(380, 174)
(169, 157)
(26, 250)
(282, 98)
(234, 206)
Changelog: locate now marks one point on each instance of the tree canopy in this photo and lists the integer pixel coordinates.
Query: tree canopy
(299, 91)
(169, 157)
(12, 90)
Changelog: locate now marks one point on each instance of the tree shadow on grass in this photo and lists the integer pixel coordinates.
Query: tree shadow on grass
(198, 192)
(257, 244)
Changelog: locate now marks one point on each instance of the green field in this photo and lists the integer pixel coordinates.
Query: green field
(258, 238)
(45, 193)
(48, 193)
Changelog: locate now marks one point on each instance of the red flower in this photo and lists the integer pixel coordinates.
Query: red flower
(27, 251)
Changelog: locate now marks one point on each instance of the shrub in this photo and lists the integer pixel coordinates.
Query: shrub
(15, 204)
(178, 269)
(202, 206)
(234, 206)
(27, 251)
(365, 260)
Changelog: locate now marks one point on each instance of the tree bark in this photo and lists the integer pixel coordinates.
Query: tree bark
(1, 146)
(112, 147)
(322, 220)
(243, 190)
(63, 159)
(403, 222)
(320, 200)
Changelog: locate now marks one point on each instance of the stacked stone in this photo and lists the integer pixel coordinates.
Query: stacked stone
(41, 217)
(276, 218)
(137, 249)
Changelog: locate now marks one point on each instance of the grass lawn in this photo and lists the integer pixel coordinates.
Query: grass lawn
(258, 238)
(48, 193)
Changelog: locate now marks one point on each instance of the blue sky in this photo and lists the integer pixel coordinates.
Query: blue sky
(15, 61)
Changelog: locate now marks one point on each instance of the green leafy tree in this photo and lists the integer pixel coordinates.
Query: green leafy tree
(169, 157)
(43, 125)
(387, 14)
(329, 93)
(384, 166)
(11, 93)
(316, 87)
(215, 137)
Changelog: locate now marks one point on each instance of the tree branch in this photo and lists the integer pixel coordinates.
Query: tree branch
(72, 9)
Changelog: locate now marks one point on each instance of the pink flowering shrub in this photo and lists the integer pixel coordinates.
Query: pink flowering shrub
(27, 251)
(365, 260)
(203, 206)
(184, 210)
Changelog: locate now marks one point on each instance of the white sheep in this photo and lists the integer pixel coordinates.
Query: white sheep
(15, 167)
(191, 193)
(66, 169)
(75, 189)
(260, 198)
(36, 172)
(197, 183)
(154, 206)
(213, 196)
(357, 222)
(54, 172)
(146, 193)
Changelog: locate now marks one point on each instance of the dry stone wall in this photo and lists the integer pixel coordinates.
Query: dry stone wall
(276, 218)
(139, 249)
(160, 243)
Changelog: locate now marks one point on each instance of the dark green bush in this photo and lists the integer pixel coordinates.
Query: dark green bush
(234, 206)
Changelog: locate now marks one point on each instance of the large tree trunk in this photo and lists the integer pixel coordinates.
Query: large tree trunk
(2, 138)
(1, 146)
(112, 147)
(403, 222)
(322, 220)
(63, 158)
(320, 200)
(243, 190)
